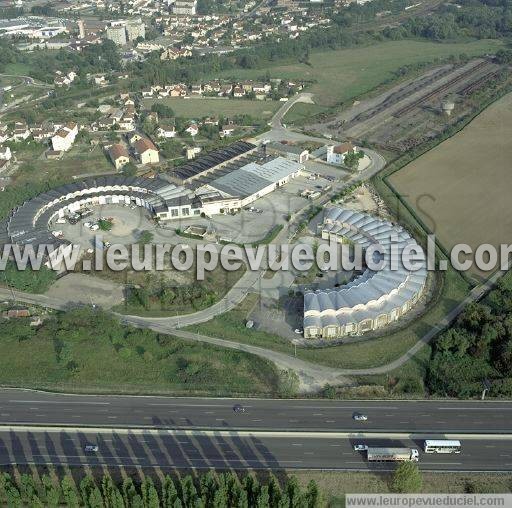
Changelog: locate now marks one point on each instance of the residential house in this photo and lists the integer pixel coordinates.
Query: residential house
(261, 88)
(4, 133)
(196, 90)
(238, 91)
(132, 138)
(166, 131)
(336, 154)
(192, 129)
(118, 155)
(227, 130)
(21, 131)
(146, 151)
(65, 137)
(225, 90)
(5, 153)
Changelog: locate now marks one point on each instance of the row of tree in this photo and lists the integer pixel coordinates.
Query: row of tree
(211, 490)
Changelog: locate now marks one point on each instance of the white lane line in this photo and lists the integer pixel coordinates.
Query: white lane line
(296, 444)
(335, 445)
(59, 402)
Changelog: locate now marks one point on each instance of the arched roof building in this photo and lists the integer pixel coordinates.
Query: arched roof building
(373, 299)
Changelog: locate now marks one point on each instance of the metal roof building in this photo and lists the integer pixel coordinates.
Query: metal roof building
(28, 224)
(373, 299)
(257, 179)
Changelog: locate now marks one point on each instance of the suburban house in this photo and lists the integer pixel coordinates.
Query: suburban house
(165, 131)
(4, 134)
(118, 155)
(227, 130)
(5, 153)
(21, 131)
(146, 151)
(336, 154)
(192, 129)
(65, 137)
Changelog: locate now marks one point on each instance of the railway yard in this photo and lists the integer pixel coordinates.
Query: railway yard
(418, 109)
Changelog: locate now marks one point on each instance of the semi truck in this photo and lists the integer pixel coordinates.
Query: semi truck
(392, 454)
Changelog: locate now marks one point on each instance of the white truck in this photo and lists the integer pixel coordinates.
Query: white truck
(392, 454)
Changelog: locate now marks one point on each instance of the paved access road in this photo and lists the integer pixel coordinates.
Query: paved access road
(38, 408)
(225, 450)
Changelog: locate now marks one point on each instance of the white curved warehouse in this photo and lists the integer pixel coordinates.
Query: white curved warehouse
(373, 299)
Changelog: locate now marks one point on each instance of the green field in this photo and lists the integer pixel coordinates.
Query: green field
(343, 74)
(201, 107)
(67, 353)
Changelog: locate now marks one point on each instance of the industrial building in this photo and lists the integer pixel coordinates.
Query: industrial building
(373, 299)
(214, 160)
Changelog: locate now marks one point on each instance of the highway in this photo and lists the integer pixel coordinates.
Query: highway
(19, 407)
(231, 450)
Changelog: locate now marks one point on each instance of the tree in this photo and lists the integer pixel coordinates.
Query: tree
(407, 478)
(69, 492)
(313, 496)
(145, 237)
(105, 224)
(129, 169)
(169, 493)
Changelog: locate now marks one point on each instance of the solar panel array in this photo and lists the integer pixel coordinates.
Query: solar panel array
(213, 159)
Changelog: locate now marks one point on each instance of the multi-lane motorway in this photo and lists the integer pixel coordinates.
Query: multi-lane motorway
(26, 407)
(42, 428)
(228, 449)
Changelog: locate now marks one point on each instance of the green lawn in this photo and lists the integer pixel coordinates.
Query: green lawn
(198, 108)
(347, 73)
(68, 353)
(369, 353)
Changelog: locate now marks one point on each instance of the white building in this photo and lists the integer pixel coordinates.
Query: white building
(116, 32)
(185, 7)
(5, 153)
(374, 298)
(64, 138)
(336, 154)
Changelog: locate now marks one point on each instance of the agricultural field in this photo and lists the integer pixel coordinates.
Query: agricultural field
(343, 74)
(200, 107)
(461, 188)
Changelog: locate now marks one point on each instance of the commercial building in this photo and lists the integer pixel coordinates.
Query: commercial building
(292, 152)
(29, 224)
(373, 299)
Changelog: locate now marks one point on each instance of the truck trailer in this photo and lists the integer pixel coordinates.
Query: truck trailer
(392, 454)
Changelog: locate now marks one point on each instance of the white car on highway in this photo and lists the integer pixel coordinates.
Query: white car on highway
(360, 448)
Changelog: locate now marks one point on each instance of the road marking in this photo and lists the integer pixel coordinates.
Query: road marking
(58, 402)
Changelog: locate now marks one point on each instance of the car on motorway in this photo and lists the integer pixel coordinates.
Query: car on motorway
(360, 447)
(91, 448)
(238, 408)
(359, 417)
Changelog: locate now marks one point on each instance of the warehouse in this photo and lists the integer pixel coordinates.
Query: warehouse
(373, 299)
(248, 183)
(29, 223)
